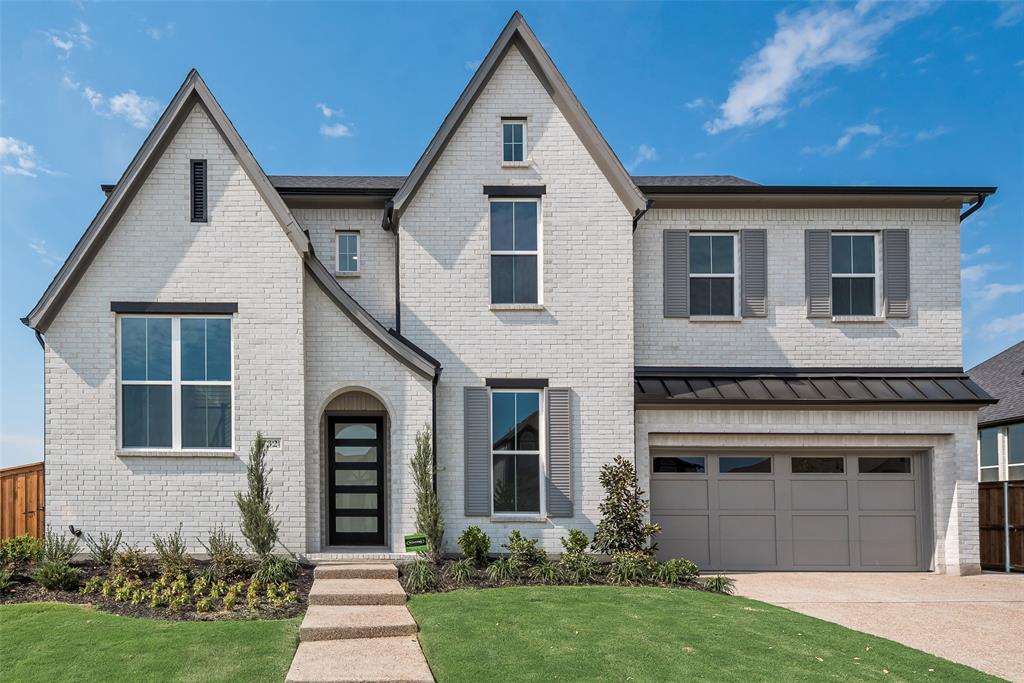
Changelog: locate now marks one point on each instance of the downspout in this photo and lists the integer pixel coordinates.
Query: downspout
(973, 207)
(390, 224)
(433, 423)
(641, 213)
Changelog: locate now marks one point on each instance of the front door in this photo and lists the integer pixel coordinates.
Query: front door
(355, 476)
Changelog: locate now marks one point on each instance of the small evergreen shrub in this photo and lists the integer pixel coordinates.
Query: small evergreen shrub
(459, 572)
(104, 548)
(718, 583)
(523, 551)
(172, 554)
(631, 568)
(6, 579)
(675, 571)
(623, 527)
(575, 564)
(258, 524)
(429, 520)
(420, 576)
(275, 568)
(501, 570)
(227, 558)
(576, 543)
(20, 550)
(128, 562)
(57, 576)
(476, 545)
(59, 549)
(545, 572)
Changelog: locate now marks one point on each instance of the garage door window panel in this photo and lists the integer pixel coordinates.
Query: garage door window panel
(814, 465)
(744, 465)
(870, 465)
(680, 464)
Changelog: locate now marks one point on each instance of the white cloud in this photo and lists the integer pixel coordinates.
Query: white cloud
(844, 140)
(994, 291)
(329, 112)
(95, 99)
(977, 272)
(970, 58)
(160, 32)
(697, 103)
(1011, 14)
(45, 255)
(337, 130)
(807, 43)
(980, 251)
(20, 158)
(1001, 326)
(67, 40)
(808, 100)
(136, 109)
(924, 58)
(643, 153)
(932, 133)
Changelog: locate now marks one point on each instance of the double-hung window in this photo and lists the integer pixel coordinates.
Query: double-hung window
(514, 252)
(713, 281)
(175, 377)
(516, 451)
(1001, 453)
(348, 252)
(854, 274)
(513, 140)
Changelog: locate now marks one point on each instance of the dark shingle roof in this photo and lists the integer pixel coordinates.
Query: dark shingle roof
(654, 181)
(380, 184)
(1002, 376)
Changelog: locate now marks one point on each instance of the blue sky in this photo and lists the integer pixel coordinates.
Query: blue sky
(872, 93)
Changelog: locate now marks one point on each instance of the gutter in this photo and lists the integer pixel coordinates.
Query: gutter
(973, 207)
(641, 213)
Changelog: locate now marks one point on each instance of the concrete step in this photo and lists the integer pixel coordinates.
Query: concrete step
(360, 570)
(362, 660)
(356, 592)
(333, 622)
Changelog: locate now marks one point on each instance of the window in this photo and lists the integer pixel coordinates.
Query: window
(713, 278)
(1015, 452)
(513, 140)
(515, 451)
(348, 252)
(988, 454)
(175, 377)
(742, 465)
(883, 465)
(514, 252)
(198, 181)
(854, 274)
(818, 465)
(683, 464)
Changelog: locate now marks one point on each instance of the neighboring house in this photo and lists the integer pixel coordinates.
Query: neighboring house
(1001, 426)
(783, 363)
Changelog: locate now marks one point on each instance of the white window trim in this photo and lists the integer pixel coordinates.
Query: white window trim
(876, 314)
(338, 234)
(1003, 464)
(735, 315)
(538, 252)
(541, 456)
(175, 382)
(520, 120)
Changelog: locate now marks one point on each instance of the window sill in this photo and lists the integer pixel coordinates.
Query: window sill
(341, 274)
(130, 453)
(516, 307)
(518, 518)
(516, 164)
(858, 319)
(716, 318)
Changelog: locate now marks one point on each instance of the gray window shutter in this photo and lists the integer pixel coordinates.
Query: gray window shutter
(754, 273)
(677, 273)
(559, 452)
(477, 460)
(818, 277)
(896, 272)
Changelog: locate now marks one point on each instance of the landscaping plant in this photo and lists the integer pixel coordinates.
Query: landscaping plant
(172, 554)
(575, 563)
(20, 550)
(476, 545)
(227, 557)
(104, 548)
(623, 526)
(523, 551)
(57, 548)
(428, 509)
(502, 570)
(420, 576)
(54, 576)
(719, 583)
(6, 579)
(675, 571)
(128, 562)
(258, 524)
(631, 568)
(545, 572)
(459, 572)
(275, 568)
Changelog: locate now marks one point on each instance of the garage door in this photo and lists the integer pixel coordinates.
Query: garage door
(790, 511)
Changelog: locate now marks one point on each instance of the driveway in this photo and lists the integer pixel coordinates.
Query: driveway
(974, 620)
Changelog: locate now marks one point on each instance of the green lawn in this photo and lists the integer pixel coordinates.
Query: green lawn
(48, 642)
(651, 634)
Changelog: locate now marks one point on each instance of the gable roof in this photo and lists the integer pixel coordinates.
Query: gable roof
(518, 33)
(1002, 375)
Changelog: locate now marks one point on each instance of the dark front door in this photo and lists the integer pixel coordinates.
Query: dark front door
(355, 476)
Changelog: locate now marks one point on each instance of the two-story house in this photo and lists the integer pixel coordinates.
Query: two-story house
(783, 363)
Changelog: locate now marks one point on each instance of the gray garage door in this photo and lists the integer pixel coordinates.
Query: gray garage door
(794, 511)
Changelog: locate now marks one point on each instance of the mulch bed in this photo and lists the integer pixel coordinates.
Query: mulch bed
(27, 590)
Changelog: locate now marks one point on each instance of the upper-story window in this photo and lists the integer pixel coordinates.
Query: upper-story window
(514, 251)
(1001, 453)
(175, 376)
(347, 252)
(513, 140)
(713, 280)
(854, 274)
(516, 451)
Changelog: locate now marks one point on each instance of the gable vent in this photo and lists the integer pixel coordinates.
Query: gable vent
(198, 178)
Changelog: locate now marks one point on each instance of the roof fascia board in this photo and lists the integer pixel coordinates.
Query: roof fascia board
(696, 404)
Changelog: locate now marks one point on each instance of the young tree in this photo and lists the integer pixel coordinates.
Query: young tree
(428, 508)
(258, 524)
(623, 526)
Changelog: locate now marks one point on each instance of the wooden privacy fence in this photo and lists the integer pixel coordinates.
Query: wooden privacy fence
(21, 500)
(1001, 518)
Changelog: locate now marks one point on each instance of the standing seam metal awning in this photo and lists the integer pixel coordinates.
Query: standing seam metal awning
(785, 386)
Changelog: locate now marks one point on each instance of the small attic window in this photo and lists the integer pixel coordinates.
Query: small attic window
(199, 197)
(513, 139)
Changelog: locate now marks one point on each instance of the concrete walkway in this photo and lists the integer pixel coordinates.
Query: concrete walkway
(358, 629)
(974, 620)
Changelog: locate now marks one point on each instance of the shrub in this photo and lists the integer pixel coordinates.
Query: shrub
(576, 544)
(476, 545)
(420, 576)
(227, 557)
(258, 524)
(630, 568)
(59, 549)
(458, 572)
(523, 551)
(252, 594)
(501, 570)
(429, 520)
(128, 562)
(675, 571)
(275, 568)
(172, 554)
(93, 585)
(104, 548)
(54, 576)
(546, 572)
(575, 564)
(623, 526)
(718, 583)
(20, 550)
(6, 580)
